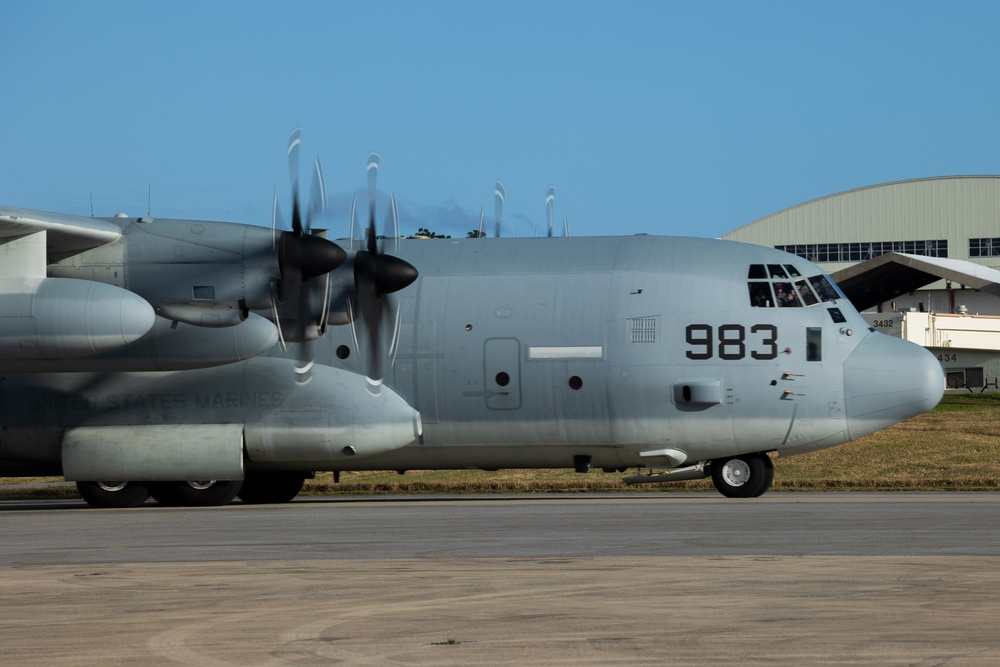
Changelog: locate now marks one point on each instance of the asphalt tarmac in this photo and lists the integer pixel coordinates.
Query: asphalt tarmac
(636, 579)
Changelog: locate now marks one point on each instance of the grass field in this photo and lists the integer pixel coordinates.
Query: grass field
(955, 446)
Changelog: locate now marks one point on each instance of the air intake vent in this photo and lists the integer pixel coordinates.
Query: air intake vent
(643, 329)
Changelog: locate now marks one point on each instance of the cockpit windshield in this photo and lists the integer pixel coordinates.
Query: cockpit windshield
(782, 286)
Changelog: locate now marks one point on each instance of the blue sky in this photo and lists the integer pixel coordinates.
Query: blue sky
(689, 118)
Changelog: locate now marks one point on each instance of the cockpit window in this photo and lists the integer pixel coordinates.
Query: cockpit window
(760, 295)
(785, 295)
(823, 288)
(807, 294)
(782, 286)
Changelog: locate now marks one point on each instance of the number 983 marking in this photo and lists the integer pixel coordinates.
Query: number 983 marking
(729, 342)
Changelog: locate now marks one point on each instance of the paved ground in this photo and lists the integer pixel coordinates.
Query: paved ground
(634, 579)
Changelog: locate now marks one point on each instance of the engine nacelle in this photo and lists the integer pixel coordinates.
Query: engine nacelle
(209, 274)
(306, 430)
(53, 318)
(168, 346)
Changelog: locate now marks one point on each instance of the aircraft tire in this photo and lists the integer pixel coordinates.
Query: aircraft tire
(744, 476)
(208, 493)
(113, 494)
(260, 488)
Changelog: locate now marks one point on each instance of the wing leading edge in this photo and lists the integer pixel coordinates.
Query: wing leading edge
(66, 234)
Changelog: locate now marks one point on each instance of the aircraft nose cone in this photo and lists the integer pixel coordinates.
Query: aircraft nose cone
(887, 380)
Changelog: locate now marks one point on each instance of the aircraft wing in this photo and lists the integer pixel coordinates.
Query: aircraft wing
(66, 234)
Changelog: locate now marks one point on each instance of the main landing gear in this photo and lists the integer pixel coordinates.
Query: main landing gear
(256, 488)
(113, 494)
(196, 493)
(743, 476)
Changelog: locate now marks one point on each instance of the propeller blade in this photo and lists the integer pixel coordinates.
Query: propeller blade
(294, 142)
(372, 169)
(550, 197)
(317, 196)
(277, 318)
(274, 221)
(351, 235)
(499, 193)
(392, 223)
(325, 319)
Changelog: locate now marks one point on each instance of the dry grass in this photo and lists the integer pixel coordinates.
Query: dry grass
(956, 446)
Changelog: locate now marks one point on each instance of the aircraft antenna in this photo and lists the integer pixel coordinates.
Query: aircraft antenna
(91, 204)
(566, 225)
(550, 197)
(480, 221)
(149, 199)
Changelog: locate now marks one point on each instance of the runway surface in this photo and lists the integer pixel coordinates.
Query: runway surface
(538, 579)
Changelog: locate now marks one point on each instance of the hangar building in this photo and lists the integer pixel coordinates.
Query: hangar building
(919, 258)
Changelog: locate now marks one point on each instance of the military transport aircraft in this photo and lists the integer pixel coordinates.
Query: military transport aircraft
(196, 361)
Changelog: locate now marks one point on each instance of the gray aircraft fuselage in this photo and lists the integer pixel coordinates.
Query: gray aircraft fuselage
(529, 352)
(638, 351)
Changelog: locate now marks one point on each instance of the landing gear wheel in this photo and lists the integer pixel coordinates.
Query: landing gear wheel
(113, 494)
(195, 493)
(744, 476)
(270, 487)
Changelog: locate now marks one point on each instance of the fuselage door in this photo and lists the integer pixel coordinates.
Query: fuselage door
(502, 365)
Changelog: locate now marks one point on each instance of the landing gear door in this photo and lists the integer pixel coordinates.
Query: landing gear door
(502, 364)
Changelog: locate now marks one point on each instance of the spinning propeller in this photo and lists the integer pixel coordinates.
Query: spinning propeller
(303, 258)
(376, 276)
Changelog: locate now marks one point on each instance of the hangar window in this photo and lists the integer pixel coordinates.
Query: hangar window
(984, 247)
(861, 251)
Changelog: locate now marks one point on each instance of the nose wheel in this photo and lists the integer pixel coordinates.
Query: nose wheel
(743, 476)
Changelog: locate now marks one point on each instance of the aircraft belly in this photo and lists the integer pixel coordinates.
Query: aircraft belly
(492, 457)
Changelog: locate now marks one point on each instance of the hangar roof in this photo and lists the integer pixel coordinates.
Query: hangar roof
(948, 212)
(884, 278)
